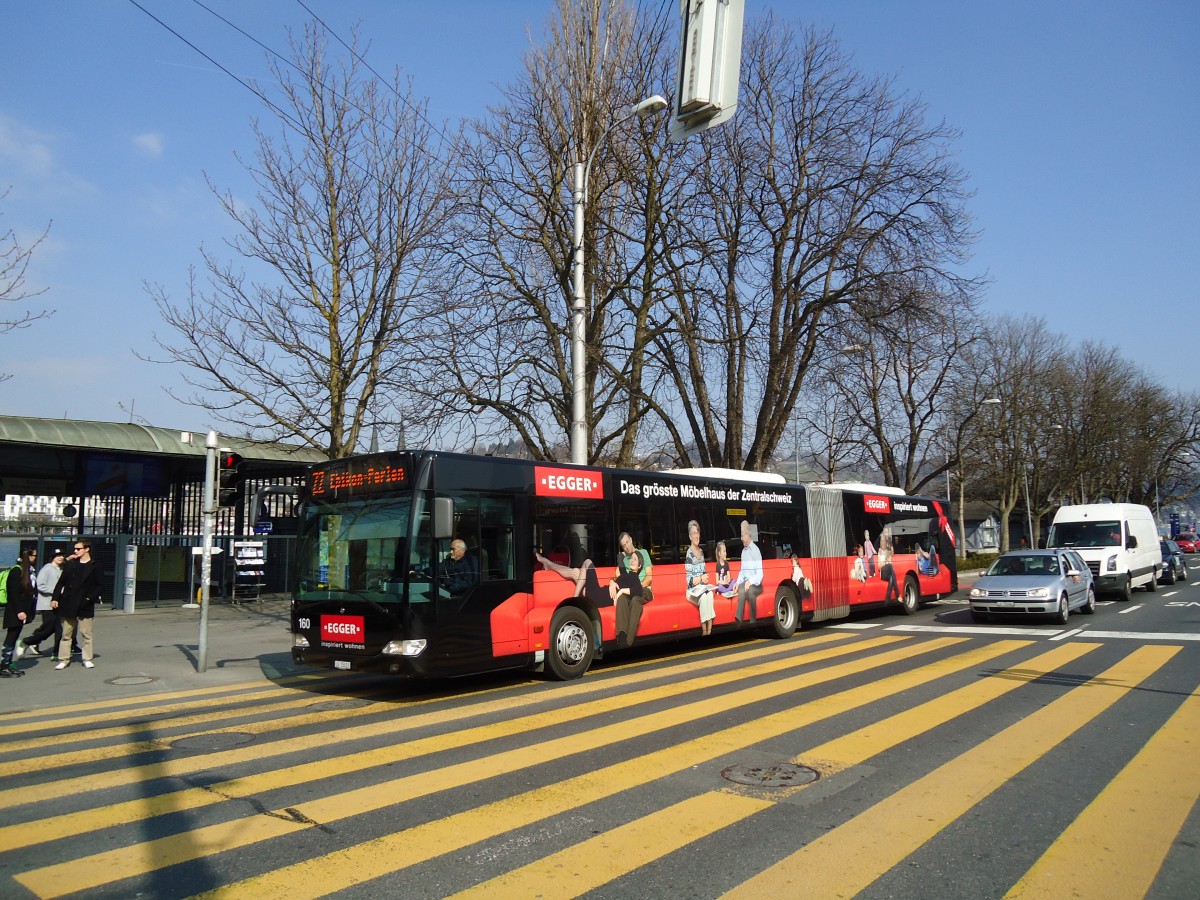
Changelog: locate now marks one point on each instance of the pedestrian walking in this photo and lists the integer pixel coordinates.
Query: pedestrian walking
(49, 627)
(18, 608)
(75, 598)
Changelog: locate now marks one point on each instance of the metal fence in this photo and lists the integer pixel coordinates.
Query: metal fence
(168, 572)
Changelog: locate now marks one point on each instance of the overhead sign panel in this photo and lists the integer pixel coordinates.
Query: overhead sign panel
(710, 60)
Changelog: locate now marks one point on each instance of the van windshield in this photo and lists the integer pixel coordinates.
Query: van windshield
(1085, 534)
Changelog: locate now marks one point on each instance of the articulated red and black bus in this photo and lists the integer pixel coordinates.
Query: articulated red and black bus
(437, 564)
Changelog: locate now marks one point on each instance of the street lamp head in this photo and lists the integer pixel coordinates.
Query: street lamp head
(648, 107)
(990, 401)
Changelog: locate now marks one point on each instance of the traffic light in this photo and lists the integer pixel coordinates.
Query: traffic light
(229, 486)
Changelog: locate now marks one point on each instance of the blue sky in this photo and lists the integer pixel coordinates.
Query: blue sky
(1080, 121)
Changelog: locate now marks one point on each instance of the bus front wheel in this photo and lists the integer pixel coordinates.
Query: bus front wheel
(571, 644)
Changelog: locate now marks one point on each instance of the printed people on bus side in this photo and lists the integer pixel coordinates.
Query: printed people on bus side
(888, 572)
(699, 590)
(858, 571)
(724, 578)
(75, 598)
(629, 612)
(927, 560)
(750, 576)
(18, 608)
(47, 579)
(868, 554)
(803, 584)
(459, 570)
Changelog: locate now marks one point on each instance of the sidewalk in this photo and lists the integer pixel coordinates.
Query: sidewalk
(156, 650)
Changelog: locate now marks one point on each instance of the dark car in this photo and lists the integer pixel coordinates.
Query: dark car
(1174, 567)
(1186, 542)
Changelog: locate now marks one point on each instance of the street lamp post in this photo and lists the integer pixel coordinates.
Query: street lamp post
(579, 433)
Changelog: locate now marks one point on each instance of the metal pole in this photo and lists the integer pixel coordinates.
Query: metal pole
(1028, 510)
(210, 516)
(579, 449)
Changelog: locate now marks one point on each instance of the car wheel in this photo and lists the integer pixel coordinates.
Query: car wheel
(1183, 572)
(1152, 584)
(1064, 612)
(1089, 607)
(910, 599)
(1169, 576)
(571, 647)
(1126, 592)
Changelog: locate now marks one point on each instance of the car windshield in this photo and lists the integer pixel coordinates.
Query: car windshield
(1085, 534)
(1025, 564)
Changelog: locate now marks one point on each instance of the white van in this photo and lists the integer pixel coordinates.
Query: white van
(1119, 542)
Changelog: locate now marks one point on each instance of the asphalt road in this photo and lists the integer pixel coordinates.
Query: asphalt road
(883, 756)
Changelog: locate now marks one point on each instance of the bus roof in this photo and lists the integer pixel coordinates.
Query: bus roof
(731, 474)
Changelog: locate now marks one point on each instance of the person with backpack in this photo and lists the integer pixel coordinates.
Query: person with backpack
(75, 598)
(17, 596)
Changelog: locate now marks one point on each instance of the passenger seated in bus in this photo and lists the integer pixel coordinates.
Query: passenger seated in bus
(459, 570)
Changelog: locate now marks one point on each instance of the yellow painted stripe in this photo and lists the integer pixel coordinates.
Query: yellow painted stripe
(55, 828)
(168, 768)
(599, 860)
(1117, 845)
(103, 868)
(228, 718)
(880, 838)
(54, 716)
(595, 862)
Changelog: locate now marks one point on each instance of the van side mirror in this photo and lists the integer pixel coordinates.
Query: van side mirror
(443, 518)
(1131, 542)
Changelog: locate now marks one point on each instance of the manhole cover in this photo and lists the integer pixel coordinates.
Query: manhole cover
(781, 775)
(131, 679)
(220, 740)
(334, 705)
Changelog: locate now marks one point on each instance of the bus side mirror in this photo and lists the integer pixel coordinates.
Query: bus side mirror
(443, 518)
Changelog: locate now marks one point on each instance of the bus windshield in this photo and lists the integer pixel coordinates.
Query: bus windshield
(1085, 534)
(357, 547)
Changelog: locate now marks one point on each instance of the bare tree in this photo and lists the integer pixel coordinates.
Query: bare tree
(14, 263)
(506, 353)
(323, 335)
(825, 186)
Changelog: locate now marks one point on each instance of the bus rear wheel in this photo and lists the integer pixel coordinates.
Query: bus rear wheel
(911, 598)
(571, 644)
(787, 612)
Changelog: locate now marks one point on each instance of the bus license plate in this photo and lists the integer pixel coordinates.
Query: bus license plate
(342, 664)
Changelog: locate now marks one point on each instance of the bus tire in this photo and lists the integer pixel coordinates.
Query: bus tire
(910, 598)
(787, 612)
(572, 645)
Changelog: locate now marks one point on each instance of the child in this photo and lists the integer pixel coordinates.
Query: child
(859, 571)
(724, 579)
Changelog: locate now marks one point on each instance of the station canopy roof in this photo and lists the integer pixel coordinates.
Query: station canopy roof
(64, 457)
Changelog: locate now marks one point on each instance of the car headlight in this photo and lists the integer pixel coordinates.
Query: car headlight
(1039, 592)
(1111, 565)
(977, 593)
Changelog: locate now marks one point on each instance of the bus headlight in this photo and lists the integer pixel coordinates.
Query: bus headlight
(300, 641)
(404, 648)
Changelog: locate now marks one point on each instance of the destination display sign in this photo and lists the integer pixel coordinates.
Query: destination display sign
(357, 477)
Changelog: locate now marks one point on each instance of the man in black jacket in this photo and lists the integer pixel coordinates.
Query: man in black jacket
(75, 598)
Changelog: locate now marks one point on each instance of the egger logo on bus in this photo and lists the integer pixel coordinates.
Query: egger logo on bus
(571, 483)
(343, 629)
(873, 503)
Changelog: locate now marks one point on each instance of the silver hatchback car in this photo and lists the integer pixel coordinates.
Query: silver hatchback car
(1047, 582)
